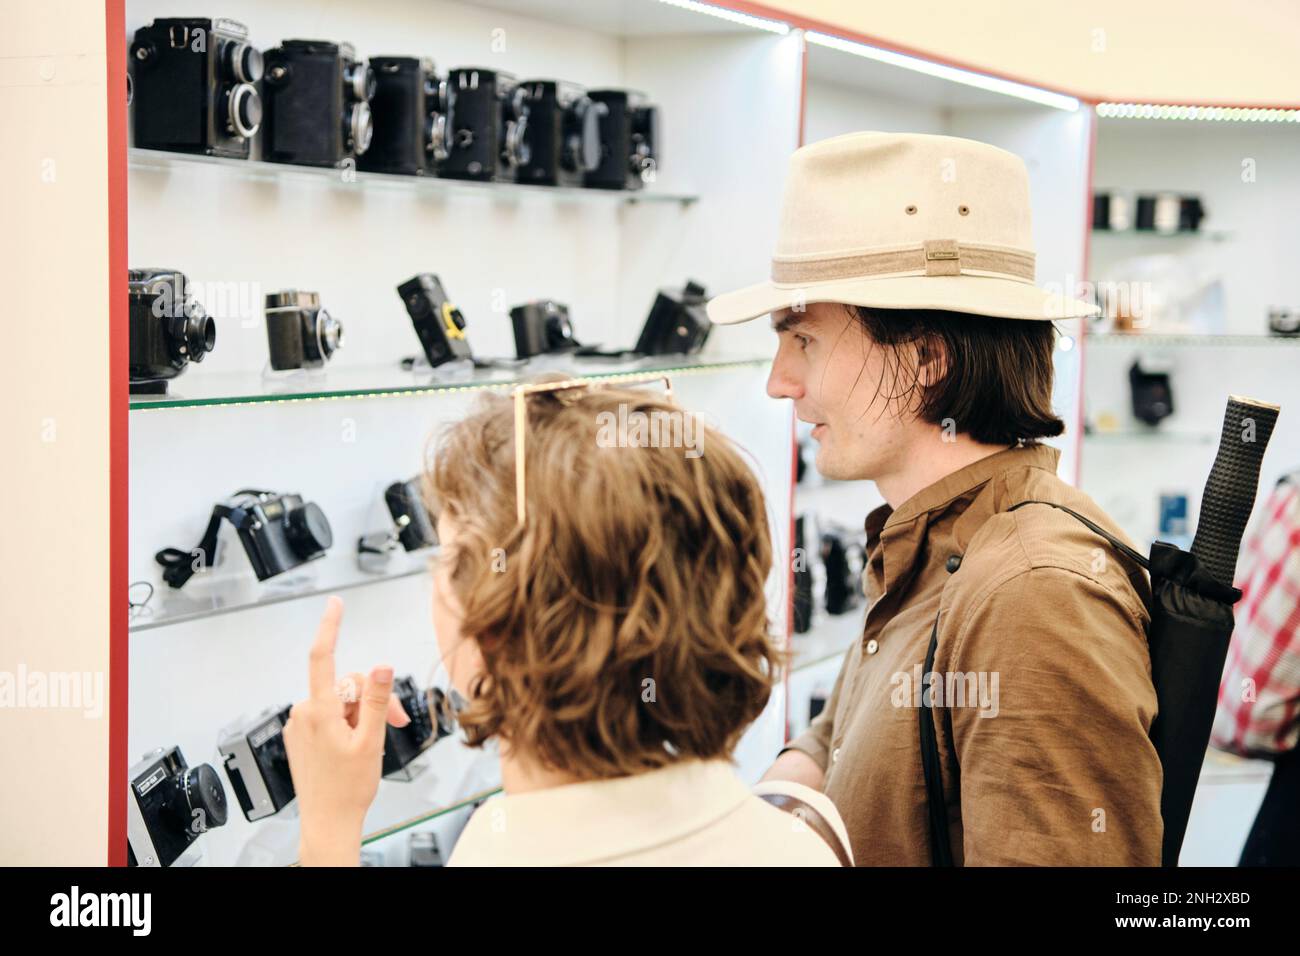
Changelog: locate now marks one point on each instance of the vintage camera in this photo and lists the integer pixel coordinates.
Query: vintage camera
(411, 110)
(439, 324)
(413, 527)
(194, 89)
(169, 805)
(278, 532)
(562, 134)
(429, 724)
(542, 327)
(258, 765)
(317, 103)
(168, 328)
(841, 595)
(677, 323)
(489, 125)
(629, 141)
(803, 580)
(299, 332)
(1283, 321)
(1153, 393)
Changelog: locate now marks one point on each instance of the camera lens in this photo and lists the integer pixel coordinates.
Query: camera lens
(360, 127)
(244, 62)
(197, 799)
(242, 110)
(308, 530)
(329, 334)
(360, 81)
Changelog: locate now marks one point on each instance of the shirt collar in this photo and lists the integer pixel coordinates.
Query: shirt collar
(902, 530)
(601, 820)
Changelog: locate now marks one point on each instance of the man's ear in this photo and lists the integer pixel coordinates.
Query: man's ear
(931, 362)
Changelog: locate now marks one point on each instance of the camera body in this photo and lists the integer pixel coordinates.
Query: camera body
(299, 333)
(489, 125)
(170, 805)
(317, 103)
(562, 134)
(194, 86)
(677, 323)
(258, 765)
(410, 109)
(629, 140)
(279, 532)
(168, 328)
(542, 327)
(439, 324)
(416, 528)
(428, 725)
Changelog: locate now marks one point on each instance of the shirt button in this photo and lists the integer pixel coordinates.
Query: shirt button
(953, 563)
(835, 755)
(872, 646)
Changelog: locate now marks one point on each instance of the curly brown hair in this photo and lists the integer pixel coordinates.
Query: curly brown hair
(624, 626)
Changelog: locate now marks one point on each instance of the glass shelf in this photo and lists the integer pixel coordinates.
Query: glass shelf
(1213, 235)
(194, 388)
(1151, 435)
(162, 161)
(1192, 340)
(828, 639)
(240, 590)
(427, 817)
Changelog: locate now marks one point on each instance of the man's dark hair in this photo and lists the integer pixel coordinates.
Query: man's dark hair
(997, 387)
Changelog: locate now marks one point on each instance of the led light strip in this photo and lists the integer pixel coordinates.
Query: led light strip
(744, 19)
(1221, 113)
(951, 73)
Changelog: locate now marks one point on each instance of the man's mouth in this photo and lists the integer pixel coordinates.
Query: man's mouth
(819, 430)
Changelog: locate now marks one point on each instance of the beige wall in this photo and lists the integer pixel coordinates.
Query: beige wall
(54, 426)
(1186, 51)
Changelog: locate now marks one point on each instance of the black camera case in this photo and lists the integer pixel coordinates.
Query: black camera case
(439, 324)
(410, 112)
(194, 86)
(168, 329)
(562, 134)
(629, 140)
(489, 125)
(299, 333)
(170, 805)
(317, 103)
(541, 327)
(677, 323)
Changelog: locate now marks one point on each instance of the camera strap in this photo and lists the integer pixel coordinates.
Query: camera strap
(179, 566)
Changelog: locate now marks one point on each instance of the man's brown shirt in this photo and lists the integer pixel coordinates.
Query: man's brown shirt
(1043, 656)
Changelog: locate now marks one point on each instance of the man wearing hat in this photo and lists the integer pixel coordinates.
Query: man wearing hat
(914, 340)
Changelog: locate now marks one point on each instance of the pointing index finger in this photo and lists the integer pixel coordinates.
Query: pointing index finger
(320, 667)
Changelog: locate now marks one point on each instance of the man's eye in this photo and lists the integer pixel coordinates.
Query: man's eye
(803, 341)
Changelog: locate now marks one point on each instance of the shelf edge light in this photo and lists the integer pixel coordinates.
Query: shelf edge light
(722, 13)
(981, 81)
(1215, 113)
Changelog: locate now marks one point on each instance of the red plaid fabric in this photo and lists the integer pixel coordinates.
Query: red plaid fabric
(1259, 699)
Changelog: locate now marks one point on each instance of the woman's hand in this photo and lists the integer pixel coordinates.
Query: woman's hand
(335, 744)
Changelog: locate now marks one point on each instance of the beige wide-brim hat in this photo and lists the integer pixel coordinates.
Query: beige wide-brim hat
(904, 221)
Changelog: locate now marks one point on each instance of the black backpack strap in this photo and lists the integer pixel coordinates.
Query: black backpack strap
(940, 838)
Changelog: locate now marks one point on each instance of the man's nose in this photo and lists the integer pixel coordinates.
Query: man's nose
(781, 382)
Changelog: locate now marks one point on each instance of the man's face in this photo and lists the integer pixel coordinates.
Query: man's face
(840, 382)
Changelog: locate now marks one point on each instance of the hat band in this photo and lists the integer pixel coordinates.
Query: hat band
(934, 257)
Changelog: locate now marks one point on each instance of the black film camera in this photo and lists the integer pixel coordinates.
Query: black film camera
(411, 109)
(1153, 393)
(299, 332)
(489, 125)
(317, 103)
(193, 88)
(257, 764)
(169, 805)
(841, 594)
(168, 328)
(677, 323)
(803, 580)
(429, 724)
(542, 327)
(562, 134)
(278, 532)
(413, 526)
(629, 141)
(439, 324)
